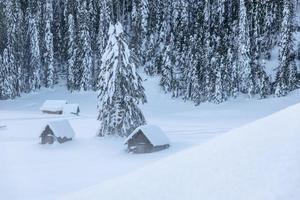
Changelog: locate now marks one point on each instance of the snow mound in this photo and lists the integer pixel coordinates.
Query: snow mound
(154, 134)
(259, 161)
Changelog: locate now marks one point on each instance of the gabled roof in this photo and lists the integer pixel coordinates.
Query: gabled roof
(153, 133)
(61, 128)
(70, 108)
(53, 105)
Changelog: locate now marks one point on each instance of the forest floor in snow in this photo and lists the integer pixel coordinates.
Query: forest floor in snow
(30, 171)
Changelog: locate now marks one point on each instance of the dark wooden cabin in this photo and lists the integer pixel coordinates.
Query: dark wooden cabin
(147, 139)
(60, 131)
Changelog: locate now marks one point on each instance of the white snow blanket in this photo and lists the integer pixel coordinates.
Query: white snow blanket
(154, 134)
(259, 161)
(53, 105)
(70, 108)
(61, 128)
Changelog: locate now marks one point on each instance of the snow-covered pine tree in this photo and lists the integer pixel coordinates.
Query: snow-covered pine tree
(136, 39)
(260, 78)
(144, 9)
(35, 57)
(120, 88)
(263, 84)
(234, 78)
(85, 53)
(1, 77)
(68, 8)
(193, 82)
(286, 79)
(150, 52)
(105, 12)
(49, 71)
(104, 21)
(7, 78)
(267, 35)
(218, 96)
(92, 21)
(167, 75)
(244, 57)
(57, 31)
(208, 59)
(298, 51)
(17, 45)
(72, 78)
(12, 45)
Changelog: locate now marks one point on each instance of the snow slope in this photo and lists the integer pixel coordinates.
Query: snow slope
(30, 171)
(259, 161)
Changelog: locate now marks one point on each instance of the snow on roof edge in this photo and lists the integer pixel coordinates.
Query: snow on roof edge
(61, 128)
(53, 105)
(153, 133)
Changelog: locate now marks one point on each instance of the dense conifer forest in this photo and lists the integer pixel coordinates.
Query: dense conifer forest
(203, 51)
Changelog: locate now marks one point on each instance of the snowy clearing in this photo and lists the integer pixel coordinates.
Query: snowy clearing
(259, 161)
(29, 170)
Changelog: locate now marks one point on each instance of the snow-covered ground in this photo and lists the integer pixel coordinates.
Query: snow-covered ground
(259, 161)
(30, 171)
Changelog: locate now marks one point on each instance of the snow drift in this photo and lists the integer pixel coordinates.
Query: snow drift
(260, 161)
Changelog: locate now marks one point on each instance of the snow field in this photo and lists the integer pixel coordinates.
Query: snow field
(30, 171)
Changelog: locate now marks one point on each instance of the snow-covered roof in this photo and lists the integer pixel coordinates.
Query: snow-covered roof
(153, 133)
(53, 105)
(70, 108)
(61, 128)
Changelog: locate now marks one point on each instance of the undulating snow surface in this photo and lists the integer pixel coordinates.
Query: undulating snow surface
(30, 171)
(259, 161)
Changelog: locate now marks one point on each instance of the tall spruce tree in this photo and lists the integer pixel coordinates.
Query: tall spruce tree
(105, 9)
(246, 78)
(85, 53)
(12, 41)
(49, 71)
(7, 78)
(35, 57)
(120, 88)
(286, 79)
(1, 78)
(167, 76)
(72, 76)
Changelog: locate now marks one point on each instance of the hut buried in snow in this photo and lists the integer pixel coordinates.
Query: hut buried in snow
(71, 109)
(53, 106)
(147, 139)
(60, 131)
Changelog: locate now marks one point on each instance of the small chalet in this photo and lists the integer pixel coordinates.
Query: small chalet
(53, 106)
(71, 109)
(147, 139)
(60, 131)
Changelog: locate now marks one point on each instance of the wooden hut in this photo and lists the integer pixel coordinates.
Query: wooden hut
(71, 109)
(53, 106)
(60, 131)
(147, 139)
